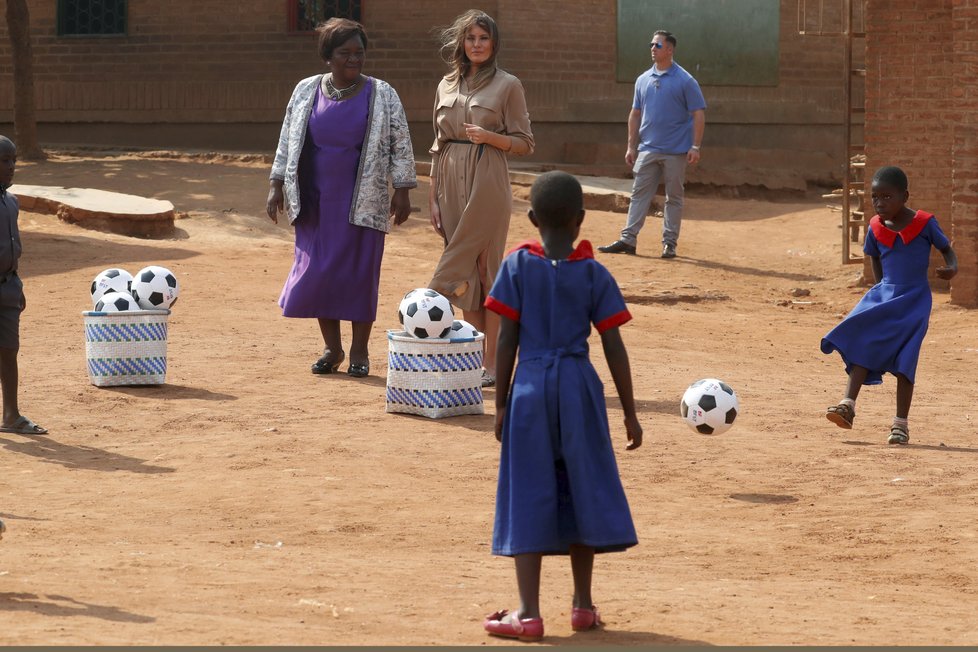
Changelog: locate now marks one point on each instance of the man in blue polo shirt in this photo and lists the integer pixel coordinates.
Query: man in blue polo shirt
(665, 130)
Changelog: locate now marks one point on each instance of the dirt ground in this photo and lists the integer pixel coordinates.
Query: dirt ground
(247, 501)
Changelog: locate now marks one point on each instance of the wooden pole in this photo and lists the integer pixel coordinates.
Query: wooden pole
(25, 117)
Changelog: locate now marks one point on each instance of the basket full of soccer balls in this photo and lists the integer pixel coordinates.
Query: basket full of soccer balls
(434, 365)
(126, 331)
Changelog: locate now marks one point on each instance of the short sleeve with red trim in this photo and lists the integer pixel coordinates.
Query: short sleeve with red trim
(505, 296)
(936, 234)
(871, 246)
(608, 309)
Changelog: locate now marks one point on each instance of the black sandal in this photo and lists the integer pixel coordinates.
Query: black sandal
(326, 364)
(359, 370)
(841, 415)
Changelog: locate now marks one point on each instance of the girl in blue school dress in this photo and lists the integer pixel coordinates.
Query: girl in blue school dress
(559, 492)
(883, 333)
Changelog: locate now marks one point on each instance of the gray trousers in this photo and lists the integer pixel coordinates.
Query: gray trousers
(650, 169)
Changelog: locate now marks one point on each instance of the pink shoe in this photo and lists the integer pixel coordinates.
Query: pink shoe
(584, 619)
(507, 624)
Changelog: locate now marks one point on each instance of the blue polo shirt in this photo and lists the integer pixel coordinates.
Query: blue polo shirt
(667, 100)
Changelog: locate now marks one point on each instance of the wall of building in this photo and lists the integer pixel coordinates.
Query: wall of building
(922, 115)
(218, 74)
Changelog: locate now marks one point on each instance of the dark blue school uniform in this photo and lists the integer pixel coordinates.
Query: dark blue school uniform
(885, 330)
(558, 478)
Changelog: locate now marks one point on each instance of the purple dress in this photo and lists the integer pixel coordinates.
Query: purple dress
(336, 273)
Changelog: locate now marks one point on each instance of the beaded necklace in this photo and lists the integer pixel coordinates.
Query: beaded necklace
(338, 93)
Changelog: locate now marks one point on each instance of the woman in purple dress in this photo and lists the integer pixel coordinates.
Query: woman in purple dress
(344, 136)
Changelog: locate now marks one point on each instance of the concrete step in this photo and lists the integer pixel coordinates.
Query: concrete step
(98, 209)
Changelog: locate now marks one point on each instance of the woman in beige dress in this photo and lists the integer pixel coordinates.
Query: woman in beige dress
(480, 118)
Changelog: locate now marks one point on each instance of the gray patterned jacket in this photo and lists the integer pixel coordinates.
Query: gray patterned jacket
(387, 153)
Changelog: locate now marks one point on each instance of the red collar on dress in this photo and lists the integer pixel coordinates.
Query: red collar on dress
(583, 251)
(888, 236)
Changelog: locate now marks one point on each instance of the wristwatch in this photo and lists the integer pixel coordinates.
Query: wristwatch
(696, 147)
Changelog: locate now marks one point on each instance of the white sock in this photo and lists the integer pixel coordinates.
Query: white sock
(903, 424)
(848, 401)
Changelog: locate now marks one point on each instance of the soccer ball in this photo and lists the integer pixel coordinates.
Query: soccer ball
(426, 314)
(709, 406)
(155, 288)
(462, 329)
(110, 280)
(116, 302)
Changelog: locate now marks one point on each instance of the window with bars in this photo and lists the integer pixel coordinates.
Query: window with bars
(304, 15)
(91, 17)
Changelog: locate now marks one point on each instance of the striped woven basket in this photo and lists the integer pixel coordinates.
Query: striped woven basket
(126, 348)
(434, 378)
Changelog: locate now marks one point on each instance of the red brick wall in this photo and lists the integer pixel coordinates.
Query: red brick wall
(922, 115)
(231, 62)
(963, 114)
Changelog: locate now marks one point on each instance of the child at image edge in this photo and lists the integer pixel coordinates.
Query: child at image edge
(559, 492)
(883, 333)
(12, 300)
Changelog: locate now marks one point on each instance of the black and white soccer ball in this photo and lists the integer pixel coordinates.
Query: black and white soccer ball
(116, 302)
(113, 279)
(155, 288)
(426, 314)
(462, 330)
(709, 406)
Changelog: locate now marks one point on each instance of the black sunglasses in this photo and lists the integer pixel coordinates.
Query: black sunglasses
(653, 44)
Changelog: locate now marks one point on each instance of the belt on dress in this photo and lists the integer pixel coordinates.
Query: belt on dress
(481, 146)
(553, 356)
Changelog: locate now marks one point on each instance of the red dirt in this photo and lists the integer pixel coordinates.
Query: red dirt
(248, 502)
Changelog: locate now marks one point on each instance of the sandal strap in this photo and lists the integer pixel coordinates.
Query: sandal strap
(843, 409)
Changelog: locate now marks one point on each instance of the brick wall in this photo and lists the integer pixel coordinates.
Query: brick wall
(922, 115)
(186, 66)
(962, 89)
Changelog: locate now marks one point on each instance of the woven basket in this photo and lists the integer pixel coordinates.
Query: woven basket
(434, 378)
(126, 348)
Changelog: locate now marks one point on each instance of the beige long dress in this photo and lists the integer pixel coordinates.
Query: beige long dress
(473, 190)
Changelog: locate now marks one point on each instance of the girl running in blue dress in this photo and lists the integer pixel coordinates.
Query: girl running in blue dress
(559, 492)
(883, 333)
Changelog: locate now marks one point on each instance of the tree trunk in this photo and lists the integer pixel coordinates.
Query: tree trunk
(25, 118)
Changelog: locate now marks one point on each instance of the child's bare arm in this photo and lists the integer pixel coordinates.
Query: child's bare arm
(621, 373)
(877, 269)
(950, 267)
(509, 337)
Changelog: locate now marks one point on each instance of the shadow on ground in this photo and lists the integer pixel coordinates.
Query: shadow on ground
(60, 606)
(749, 271)
(79, 457)
(170, 391)
(911, 446)
(52, 254)
(612, 637)
(661, 407)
